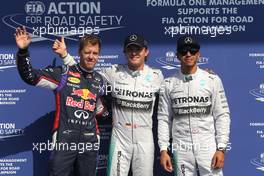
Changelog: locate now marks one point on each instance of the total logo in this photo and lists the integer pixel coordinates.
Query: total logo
(258, 93)
(74, 80)
(258, 162)
(170, 61)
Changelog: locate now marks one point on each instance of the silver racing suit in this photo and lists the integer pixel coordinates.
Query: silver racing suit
(133, 94)
(194, 110)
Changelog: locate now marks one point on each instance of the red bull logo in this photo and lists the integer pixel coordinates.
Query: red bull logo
(84, 94)
(86, 105)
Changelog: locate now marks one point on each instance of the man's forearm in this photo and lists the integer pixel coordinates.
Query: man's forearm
(68, 60)
(24, 67)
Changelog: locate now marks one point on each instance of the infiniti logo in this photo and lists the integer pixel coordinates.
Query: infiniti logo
(81, 114)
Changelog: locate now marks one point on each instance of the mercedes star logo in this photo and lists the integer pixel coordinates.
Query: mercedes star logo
(188, 40)
(133, 38)
(81, 114)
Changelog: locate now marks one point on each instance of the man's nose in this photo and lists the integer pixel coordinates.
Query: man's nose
(188, 53)
(134, 52)
(91, 55)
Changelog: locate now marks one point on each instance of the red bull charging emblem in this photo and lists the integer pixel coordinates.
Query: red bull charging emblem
(84, 94)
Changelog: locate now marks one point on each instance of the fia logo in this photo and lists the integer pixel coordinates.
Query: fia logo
(258, 162)
(34, 8)
(258, 93)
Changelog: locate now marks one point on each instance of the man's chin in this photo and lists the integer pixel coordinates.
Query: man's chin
(134, 64)
(190, 63)
(134, 61)
(88, 67)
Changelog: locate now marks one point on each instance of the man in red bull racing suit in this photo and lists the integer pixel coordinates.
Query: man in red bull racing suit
(133, 88)
(77, 88)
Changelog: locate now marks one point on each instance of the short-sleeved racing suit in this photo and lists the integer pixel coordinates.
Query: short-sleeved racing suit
(133, 94)
(195, 110)
(75, 139)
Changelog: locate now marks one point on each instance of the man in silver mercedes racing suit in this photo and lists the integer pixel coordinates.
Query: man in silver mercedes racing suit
(133, 88)
(193, 109)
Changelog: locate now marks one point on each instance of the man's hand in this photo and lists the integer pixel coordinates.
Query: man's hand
(218, 160)
(165, 161)
(59, 47)
(23, 38)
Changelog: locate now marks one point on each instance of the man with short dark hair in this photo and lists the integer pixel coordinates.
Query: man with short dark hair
(134, 88)
(77, 90)
(193, 110)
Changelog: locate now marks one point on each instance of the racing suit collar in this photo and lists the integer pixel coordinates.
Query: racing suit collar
(136, 73)
(189, 77)
(83, 71)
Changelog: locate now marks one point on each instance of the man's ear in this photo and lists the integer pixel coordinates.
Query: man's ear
(199, 54)
(178, 56)
(147, 51)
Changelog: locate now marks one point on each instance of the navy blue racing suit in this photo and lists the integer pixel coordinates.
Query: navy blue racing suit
(75, 132)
